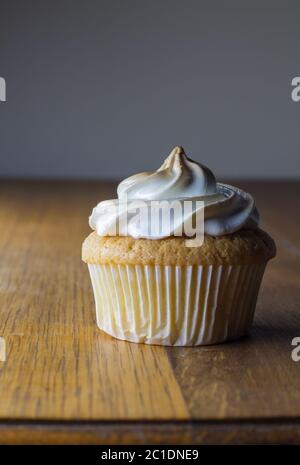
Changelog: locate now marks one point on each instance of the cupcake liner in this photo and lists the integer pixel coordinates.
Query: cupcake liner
(176, 305)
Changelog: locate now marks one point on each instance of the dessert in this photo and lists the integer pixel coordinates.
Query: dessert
(159, 279)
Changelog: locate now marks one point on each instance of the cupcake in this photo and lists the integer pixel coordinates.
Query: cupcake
(177, 259)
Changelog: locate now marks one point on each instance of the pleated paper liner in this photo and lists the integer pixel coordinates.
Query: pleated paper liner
(176, 305)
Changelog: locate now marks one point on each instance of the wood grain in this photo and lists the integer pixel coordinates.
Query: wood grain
(59, 365)
(62, 371)
(158, 433)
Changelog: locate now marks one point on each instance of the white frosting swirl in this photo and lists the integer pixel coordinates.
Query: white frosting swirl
(226, 208)
(177, 178)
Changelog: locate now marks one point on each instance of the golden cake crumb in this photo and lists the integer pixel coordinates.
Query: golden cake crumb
(241, 247)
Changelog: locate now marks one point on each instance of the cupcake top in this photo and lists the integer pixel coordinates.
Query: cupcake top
(184, 189)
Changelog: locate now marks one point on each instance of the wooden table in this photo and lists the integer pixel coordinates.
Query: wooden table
(65, 381)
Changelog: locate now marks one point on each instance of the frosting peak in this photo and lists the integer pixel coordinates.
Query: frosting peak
(224, 209)
(177, 178)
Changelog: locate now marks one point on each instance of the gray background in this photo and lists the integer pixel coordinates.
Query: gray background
(106, 88)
